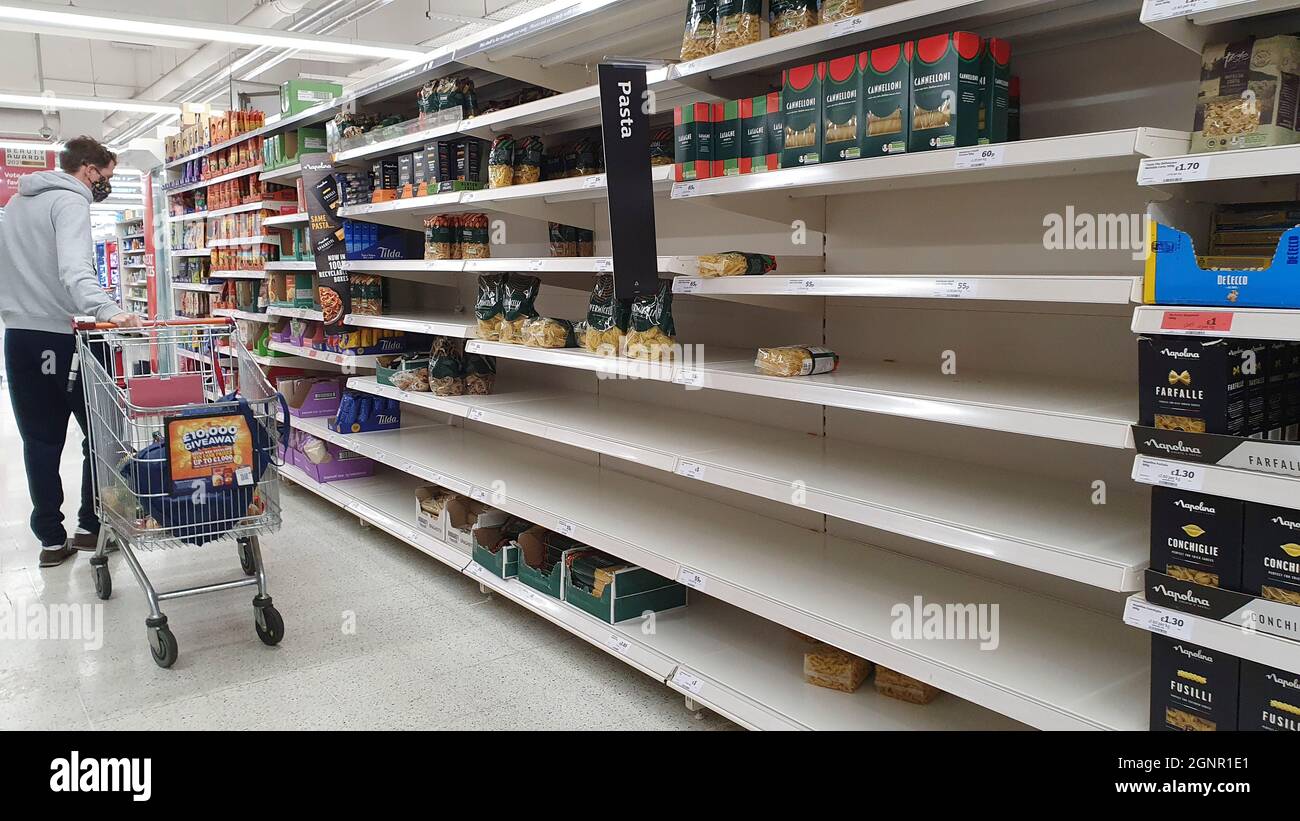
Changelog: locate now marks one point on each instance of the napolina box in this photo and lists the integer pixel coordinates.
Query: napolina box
(841, 109)
(945, 91)
(1269, 699)
(1271, 568)
(1192, 687)
(1196, 537)
(1192, 384)
(886, 79)
(801, 116)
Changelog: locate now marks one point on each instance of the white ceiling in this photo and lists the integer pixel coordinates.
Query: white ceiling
(52, 61)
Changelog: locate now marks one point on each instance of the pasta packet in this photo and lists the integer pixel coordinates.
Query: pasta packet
(501, 162)
(833, 10)
(558, 247)
(796, 360)
(607, 317)
(651, 333)
(544, 332)
(701, 29)
(662, 147)
(480, 374)
(517, 298)
(447, 346)
(739, 23)
(474, 236)
(586, 242)
(735, 264)
(446, 376)
(487, 306)
(786, 16)
(528, 160)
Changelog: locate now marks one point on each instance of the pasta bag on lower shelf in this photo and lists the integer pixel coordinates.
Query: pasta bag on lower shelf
(904, 688)
(651, 333)
(835, 669)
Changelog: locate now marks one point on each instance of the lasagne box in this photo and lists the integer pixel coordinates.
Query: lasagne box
(775, 129)
(693, 142)
(727, 139)
(1191, 384)
(886, 74)
(1248, 94)
(755, 156)
(1269, 699)
(945, 92)
(1271, 569)
(995, 91)
(1197, 538)
(841, 109)
(801, 115)
(1192, 687)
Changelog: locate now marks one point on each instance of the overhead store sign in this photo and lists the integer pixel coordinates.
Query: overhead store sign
(18, 163)
(625, 127)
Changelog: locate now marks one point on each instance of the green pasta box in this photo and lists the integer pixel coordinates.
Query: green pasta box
(801, 115)
(693, 141)
(995, 91)
(841, 109)
(886, 79)
(726, 139)
(754, 154)
(630, 592)
(775, 130)
(945, 92)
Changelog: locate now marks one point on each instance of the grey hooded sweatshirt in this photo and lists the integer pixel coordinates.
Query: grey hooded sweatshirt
(47, 257)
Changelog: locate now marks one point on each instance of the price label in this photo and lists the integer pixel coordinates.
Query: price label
(955, 289)
(476, 569)
(478, 494)
(983, 156)
(688, 681)
(604, 265)
(535, 264)
(594, 181)
(619, 644)
(690, 470)
(1164, 9)
(1197, 322)
(1146, 616)
(690, 377)
(693, 579)
(566, 529)
(1165, 473)
(801, 286)
(527, 594)
(684, 190)
(685, 285)
(1175, 170)
(850, 26)
(468, 196)
(475, 414)
(683, 69)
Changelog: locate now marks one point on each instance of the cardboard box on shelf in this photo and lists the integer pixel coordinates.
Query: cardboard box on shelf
(886, 83)
(1269, 699)
(1192, 687)
(842, 123)
(801, 115)
(945, 91)
(1196, 537)
(693, 142)
(1271, 568)
(995, 91)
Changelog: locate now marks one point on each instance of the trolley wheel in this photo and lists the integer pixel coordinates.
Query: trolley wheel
(162, 644)
(269, 624)
(103, 580)
(246, 558)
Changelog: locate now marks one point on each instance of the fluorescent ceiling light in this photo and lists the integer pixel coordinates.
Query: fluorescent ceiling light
(126, 25)
(44, 102)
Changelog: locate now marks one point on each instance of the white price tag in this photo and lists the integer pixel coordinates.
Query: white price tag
(244, 476)
(475, 414)
(683, 190)
(1154, 10)
(468, 196)
(981, 156)
(690, 377)
(604, 265)
(1157, 619)
(527, 593)
(619, 644)
(685, 285)
(535, 264)
(801, 286)
(1178, 169)
(688, 681)
(478, 494)
(594, 181)
(693, 579)
(690, 470)
(850, 26)
(566, 529)
(476, 569)
(683, 69)
(1180, 475)
(955, 289)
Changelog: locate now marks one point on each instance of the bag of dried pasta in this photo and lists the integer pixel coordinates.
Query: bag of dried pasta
(796, 360)
(480, 374)
(517, 298)
(545, 332)
(446, 376)
(739, 23)
(785, 16)
(474, 236)
(528, 160)
(701, 29)
(586, 242)
(833, 10)
(650, 331)
(487, 306)
(501, 162)
(606, 322)
(735, 264)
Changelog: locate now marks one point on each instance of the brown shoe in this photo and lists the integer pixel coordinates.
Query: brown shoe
(55, 556)
(85, 541)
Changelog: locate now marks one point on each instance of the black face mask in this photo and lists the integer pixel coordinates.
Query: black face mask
(100, 189)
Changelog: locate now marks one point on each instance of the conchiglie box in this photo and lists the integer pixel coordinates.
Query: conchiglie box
(1174, 277)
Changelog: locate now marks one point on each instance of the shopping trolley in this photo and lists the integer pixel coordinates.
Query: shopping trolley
(184, 451)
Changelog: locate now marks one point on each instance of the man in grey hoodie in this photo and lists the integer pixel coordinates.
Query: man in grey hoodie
(47, 277)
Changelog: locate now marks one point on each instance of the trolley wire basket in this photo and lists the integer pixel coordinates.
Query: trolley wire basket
(185, 433)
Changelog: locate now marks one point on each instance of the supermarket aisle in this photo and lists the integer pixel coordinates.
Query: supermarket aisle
(428, 650)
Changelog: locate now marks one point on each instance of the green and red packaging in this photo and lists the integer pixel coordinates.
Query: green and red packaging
(755, 156)
(945, 95)
(693, 142)
(886, 81)
(726, 139)
(995, 91)
(841, 109)
(775, 130)
(801, 115)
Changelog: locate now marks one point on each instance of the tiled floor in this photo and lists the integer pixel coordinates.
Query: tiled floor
(428, 650)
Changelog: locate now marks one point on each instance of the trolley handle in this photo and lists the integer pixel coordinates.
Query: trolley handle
(87, 325)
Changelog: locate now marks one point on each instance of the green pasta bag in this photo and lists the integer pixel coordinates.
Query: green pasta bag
(651, 333)
(786, 16)
(607, 318)
(517, 298)
(739, 23)
(487, 306)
